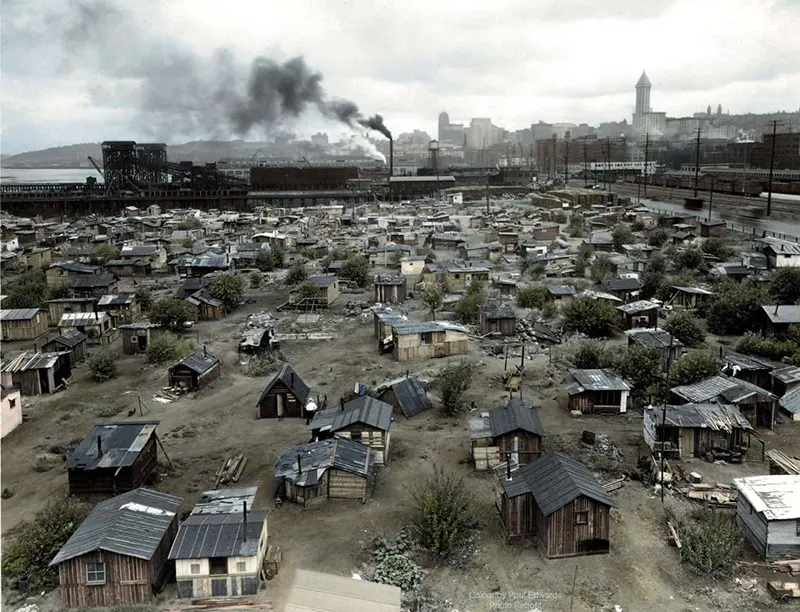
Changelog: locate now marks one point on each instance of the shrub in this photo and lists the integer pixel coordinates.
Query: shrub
(103, 254)
(393, 563)
(621, 236)
(229, 289)
(532, 296)
(467, 307)
(753, 344)
(296, 274)
(657, 238)
(432, 298)
(711, 544)
(637, 225)
(443, 515)
(602, 269)
(685, 328)
(38, 540)
(575, 226)
(427, 253)
(190, 224)
(694, 367)
(356, 269)
(29, 291)
(593, 318)
(641, 367)
(735, 307)
(308, 291)
(591, 355)
(716, 248)
(145, 297)
(172, 314)
(168, 348)
(453, 383)
(255, 280)
(690, 259)
(263, 363)
(785, 286)
(558, 216)
(103, 365)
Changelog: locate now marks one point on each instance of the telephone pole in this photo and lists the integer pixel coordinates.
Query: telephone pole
(646, 152)
(771, 167)
(697, 162)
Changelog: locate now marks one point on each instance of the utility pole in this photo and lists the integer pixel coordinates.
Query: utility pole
(646, 152)
(710, 197)
(530, 157)
(697, 162)
(585, 167)
(487, 193)
(771, 167)
(608, 162)
(554, 157)
(664, 414)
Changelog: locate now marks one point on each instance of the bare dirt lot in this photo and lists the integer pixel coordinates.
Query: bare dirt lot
(642, 572)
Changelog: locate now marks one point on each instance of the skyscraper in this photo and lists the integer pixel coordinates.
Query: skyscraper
(645, 121)
(444, 123)
(643, 95)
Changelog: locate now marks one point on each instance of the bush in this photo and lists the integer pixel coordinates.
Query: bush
(637, 225)
(29, 291)
(103, 365)
(308, 291)
(785, 286)
(602, 269)
(228, 289)
(432, 298)
(753, 344)
(296, 274)
(468, 306)
(593, 318)
(356, 269)
(38, 540)
(621, 236)
(575, 228)
(393, 563)
(103, 254)
(591, 355)
(145, 297)
(685, 328)
(190, 224)
(711, 544)
(558, 216)
(453, 383)
(641, 367)
(263, 363)
(694, 367)
(168, 348)
(428, 253)
(716, 248)
(657, 238)
(532, 296)
(690, 259)
(735, 307)
(443, 515)
(255, 280)
(172, 315)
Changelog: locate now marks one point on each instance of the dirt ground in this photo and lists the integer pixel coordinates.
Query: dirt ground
(642, 572)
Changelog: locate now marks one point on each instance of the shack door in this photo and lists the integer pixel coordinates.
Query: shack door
(279, 405)
(142, 343)
(219, 587)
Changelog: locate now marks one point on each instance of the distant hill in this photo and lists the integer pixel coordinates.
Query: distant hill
(199, 152)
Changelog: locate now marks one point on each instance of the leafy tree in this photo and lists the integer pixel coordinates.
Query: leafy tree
(356, 269)
(637, 225)
(467, 307)
(532, 296)
(432, 298)
(190, 224)
(103, 365)
(712, 543)
(309, 291)
(754, 344)
(145, 298)
(296, 274)
(172, 314)
(657, 238)
(584, 255)
(37, 540)
(602, 269)
(444, 515)
(785, 286)
(691, 259)
(593, 318)
(29, 291)
(621, 236)
(558, 216)
(265, 261)
(591, 355)
(104, 253)
(717, 248)
(453, 383)
(337, 254)
(575, 227)
(165, 347)
(255, 280)
(653, 276)
(427, 253)
(694, 367)
(278, 258)
(735, 307)
(641, 367)
(229, 289)
(685, 328)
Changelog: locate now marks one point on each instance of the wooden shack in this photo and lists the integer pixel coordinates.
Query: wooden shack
(35, 373)
(363, 419)
(497, 318)
(559, 503)
(195, 371)
(337, 468)
(413, 340)
(513, 431)
(136, 336)
(113, 457)
(639, 314)
(285, 396)
(390, 289)
(22, 324)
(118, 555)
(768, 514)
(598, 392)
(72, 341)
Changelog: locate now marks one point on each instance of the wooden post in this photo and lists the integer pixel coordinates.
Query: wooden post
(572, 597)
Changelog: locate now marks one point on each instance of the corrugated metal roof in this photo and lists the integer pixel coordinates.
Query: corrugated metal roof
(791, 401)
(560, 289)
(18, 314)
(694, 290)
(776, 496)
(732, 389)
(323, 282)
(140, 250)
(90, 281)
(202, 536)
(514, 416)
(782, 314)
(718, 417)
(787, 375)
(365, 409)
(493, 310)
(30, 360)
(554, 480)
(82, 319)
(411, 396)
(316, 457)
(226, 501)
(71, 339)
(290, 378)
(621, 284)
(120, 299)
(140, 324)
(653, 338)
(782, 247)
(314, 591)
(746, 362)
(199, 363)
(120, 444)
(637, 306)
(599, 380)
(132, 524)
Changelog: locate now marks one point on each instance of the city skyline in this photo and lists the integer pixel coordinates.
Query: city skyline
(516, 63)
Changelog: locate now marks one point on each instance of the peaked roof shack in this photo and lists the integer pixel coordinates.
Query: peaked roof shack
(514, 416)
(293, 382)
(202, 536)
(411, 396)
(554, 480)
(365, 410)
(131, 524)
(306, 463)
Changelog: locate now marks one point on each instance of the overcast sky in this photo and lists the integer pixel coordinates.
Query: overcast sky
(172, 70)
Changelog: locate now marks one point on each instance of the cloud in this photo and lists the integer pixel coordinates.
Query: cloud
(184, 69)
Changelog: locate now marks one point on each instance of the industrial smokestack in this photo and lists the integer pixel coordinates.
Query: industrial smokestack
(391, 158)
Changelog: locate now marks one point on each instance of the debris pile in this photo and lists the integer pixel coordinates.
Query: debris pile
(356, 309)
(230, 470)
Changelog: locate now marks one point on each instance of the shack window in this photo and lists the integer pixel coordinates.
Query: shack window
(218, 565)
(581, 518)
(355, 436)
(195, 568)
(96, 573)
(12, 403)
(241, 566)
(427, 337)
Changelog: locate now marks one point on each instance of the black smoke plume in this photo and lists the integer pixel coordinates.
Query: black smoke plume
(178, 92)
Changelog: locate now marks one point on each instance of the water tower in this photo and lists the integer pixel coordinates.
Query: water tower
(433, 155)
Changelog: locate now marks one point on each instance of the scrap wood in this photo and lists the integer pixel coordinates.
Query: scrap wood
(673, 531)
(787, 565)
(238, 473)
(614, 485)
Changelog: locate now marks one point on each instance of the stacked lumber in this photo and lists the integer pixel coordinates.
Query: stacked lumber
(227, 604)
(614, 485)
(231, 470)
(714, 495)
(787, 566)
(781, 463)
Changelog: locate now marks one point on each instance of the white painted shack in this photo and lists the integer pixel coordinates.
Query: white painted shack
(768, 513)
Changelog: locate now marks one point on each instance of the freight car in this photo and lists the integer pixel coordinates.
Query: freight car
(704, 183)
